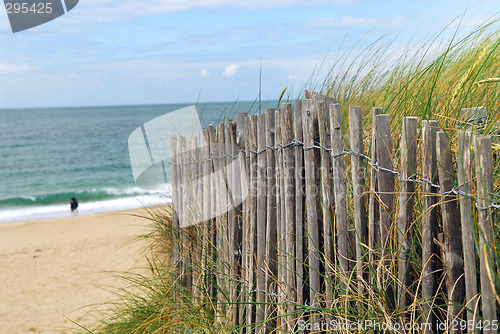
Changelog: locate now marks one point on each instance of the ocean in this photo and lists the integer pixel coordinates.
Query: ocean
(49, 155)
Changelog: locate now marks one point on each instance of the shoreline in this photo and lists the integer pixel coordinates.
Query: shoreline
(56, 211)
(56, 270)
(80, 215)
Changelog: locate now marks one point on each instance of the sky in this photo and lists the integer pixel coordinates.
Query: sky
(129, 52)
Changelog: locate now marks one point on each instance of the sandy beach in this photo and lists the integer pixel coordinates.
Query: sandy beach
(50, 269)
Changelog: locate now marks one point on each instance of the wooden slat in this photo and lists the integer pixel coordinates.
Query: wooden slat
(176, 200)
(408, 169)
(240, 182)
(484, 174)
(196, 216)
(340, 195)
(271, 233)
(327, 201)
(454, 264)
(301, 240)
(243, 130)
(467, 221)
(373, 209)
(221, 224)
(252, 220)
(207, 246)
(261, 215)
(184, 211)
(289, 219)
(312, 163)
(174, 160)
(358, 166)
(240, 130)
(230, 217)
(282, 222)
(234, 188)
(212, 238)
(429, 224)
(174, 175)
(190, 212)
(280, 226)
(386, 196)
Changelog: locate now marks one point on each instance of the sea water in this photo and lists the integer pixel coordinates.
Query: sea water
(49, 155)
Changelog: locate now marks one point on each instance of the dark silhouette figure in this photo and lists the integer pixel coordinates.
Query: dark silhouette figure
(74, 205)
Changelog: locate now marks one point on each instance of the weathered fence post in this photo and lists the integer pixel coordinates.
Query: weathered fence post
(174, 162)
(484, 174)
(241, 141)
(230, 216)
(208, 246)
(358, 165)
(211, 139)
(452, 235)
(176, 200)
(195, 216)
(252, 221)
(193, 206)
(408, 146)
(467, 219)
(205, 211)
(386, 196)
(373, 209)
(200, 227)
(289, 195)
(312, 164)
(234, 217)
(280, 225)
(271, 232)
(429, 224)
(340, 195)
(184, 211)
(221, 224)
(261, 215)
(301, 239)
(327, 201)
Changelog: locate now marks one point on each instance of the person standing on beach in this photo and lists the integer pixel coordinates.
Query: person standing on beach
(74, 205)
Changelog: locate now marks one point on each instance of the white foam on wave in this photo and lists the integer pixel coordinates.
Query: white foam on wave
(133, 191)
(85, 208)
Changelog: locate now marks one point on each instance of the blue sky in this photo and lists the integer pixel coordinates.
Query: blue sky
(117, 52)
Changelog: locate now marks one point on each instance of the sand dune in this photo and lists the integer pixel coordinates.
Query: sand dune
(50, 269)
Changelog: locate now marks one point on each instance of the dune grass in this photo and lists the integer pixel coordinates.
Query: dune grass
(431, 81)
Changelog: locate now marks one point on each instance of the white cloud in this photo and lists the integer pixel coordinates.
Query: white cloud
(128, 8)
(357, 21)
(292, 77)
(343, 21)
(204, 73)
(9, 68)
(231, 70)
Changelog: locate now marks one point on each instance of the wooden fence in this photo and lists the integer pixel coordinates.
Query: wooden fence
(294, 222)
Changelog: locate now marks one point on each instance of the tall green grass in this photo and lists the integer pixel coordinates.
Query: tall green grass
(430, 81)
(433, 80)
(156, 302)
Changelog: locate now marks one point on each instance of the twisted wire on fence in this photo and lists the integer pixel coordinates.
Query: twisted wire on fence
(317, 145)
(416, 178)
(255, 290)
